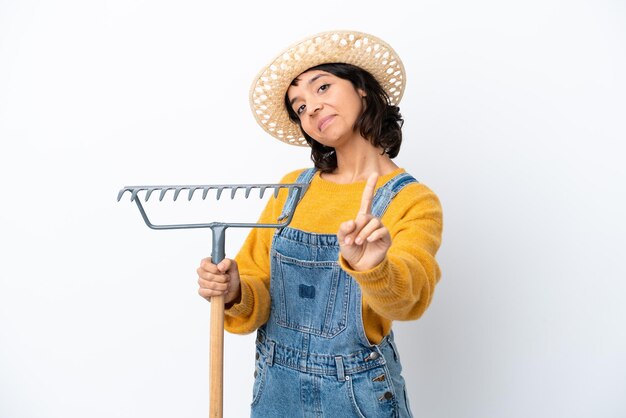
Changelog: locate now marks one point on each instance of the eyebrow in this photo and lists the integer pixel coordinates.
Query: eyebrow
(311, 81)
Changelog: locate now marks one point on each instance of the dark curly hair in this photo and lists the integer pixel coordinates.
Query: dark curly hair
(380, 122)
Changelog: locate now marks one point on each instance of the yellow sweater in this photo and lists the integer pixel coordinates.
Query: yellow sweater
(399, 288)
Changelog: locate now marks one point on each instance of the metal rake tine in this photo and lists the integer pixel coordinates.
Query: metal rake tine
(276, 190)
(121, 193)
(234, 190)
(262, 191)
(150, 190)
(191, 191)
(248, 190)
(205, 192)
(163, 191)
(177, 192)
(219, 192)
(135, 192)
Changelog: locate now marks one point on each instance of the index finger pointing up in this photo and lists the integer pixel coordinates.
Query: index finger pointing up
(368, 194)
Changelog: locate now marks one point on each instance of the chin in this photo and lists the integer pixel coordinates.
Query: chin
(329, 142)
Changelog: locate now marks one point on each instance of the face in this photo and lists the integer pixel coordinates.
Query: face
(328, 106)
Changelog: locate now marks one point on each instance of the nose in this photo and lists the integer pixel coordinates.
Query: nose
(313, 107)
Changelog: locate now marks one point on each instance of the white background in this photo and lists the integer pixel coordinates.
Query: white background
(515, 117)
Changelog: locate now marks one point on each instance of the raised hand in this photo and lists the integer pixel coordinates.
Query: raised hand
(364, 241)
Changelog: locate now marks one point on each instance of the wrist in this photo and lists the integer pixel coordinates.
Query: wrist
(235, 299)
(365, 272)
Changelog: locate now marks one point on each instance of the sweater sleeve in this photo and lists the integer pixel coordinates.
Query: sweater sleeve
(253, 261)
(401, 286)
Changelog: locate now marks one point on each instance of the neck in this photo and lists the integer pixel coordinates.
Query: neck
(357, 160)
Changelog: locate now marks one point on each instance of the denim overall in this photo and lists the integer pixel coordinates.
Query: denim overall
(313, 358)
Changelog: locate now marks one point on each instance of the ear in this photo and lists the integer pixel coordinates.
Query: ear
(362, 93)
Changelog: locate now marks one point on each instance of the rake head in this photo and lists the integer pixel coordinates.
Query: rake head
(296, 191)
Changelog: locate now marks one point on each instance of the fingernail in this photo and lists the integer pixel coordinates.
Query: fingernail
(346, 241)
(359, 241)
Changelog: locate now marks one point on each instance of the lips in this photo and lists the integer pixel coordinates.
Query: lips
(324, 122)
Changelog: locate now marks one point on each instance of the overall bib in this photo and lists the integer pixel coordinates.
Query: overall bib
(313, 358)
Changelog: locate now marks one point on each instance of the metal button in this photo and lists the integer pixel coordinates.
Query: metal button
(373, 356)
(387, 396)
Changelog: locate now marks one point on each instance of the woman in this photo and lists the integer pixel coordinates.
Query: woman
(360, 250)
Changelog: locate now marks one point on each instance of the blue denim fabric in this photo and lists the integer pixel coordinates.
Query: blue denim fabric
(313, 357)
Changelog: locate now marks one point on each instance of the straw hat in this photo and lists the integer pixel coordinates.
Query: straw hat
(361, 49)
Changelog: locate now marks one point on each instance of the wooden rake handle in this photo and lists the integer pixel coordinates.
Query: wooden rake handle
(216, 349)
(216, 358)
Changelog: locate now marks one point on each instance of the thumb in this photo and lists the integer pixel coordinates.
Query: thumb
(345, 229)
(227, 265)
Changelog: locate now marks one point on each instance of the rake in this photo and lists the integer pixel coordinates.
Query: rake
(218, 230)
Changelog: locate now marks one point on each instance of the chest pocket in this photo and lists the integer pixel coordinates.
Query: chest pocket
(309, 296)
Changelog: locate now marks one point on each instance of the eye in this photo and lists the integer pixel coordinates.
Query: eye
(323, 88)
(300, 109)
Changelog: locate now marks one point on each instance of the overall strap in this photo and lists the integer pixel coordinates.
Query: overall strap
(305, 177)
(388, 191)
